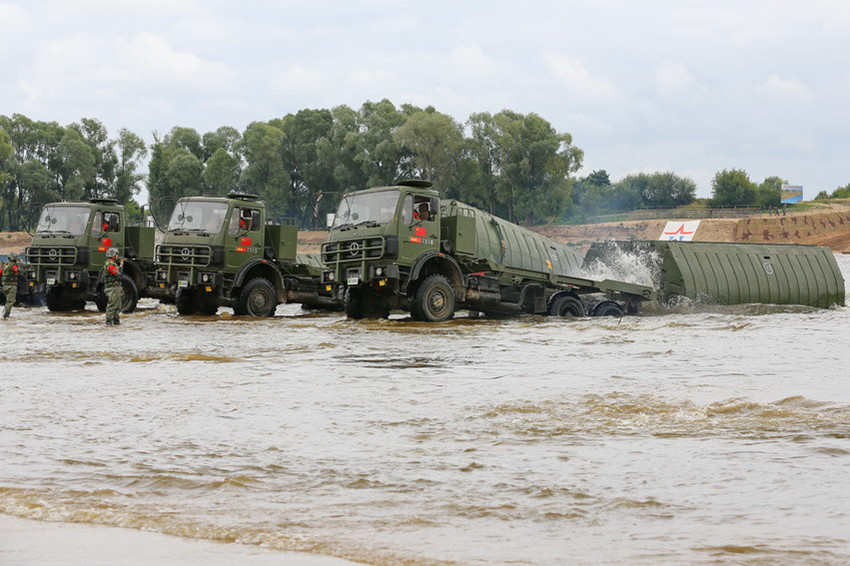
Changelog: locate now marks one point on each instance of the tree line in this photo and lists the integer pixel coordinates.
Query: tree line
(513, 165)
(42, 162)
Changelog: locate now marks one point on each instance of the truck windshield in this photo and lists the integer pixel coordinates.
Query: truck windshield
(366, 208)
(70, 220)
(198, 216)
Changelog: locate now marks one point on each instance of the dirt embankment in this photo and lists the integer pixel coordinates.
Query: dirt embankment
(830, 229)
(14, 242)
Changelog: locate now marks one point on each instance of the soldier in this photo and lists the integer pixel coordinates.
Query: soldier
(10, 282)
(112, 271)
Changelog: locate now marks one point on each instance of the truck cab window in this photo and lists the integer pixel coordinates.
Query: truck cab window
(110, 222)
(244, 220)
(422, 209)
(97, 225)
(407, 210)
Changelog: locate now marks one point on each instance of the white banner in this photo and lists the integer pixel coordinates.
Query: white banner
(680, 231)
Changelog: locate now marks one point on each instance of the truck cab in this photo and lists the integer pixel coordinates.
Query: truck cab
(220, 251)
(69, 248)
(380, 241)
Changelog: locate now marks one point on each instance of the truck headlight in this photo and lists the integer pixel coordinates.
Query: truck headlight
(379, 271)
(205, 278)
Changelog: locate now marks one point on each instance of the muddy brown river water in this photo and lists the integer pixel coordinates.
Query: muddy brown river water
(717, 435)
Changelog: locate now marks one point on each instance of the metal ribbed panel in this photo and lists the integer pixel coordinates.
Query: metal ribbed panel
(753, 273)
(522, 250)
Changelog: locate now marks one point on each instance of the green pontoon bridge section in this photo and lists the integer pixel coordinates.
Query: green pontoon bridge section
(730, 273)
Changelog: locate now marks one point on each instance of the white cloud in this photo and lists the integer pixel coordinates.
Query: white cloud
(11, 17)
(469, 62)
(787, 88)
(577, 78)
(674, 80)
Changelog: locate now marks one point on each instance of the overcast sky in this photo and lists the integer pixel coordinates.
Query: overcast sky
(691, 87)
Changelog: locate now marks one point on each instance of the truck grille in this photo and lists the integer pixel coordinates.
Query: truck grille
(351, 251)
(61, 256)
(187, 255)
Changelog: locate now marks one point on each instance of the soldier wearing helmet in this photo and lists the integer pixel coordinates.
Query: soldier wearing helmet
(112, 273)
(9, 276)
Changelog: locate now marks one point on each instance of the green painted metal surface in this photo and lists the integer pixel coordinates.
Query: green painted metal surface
(142, 240)
(481, 238)
(730, 273)
(284, 240)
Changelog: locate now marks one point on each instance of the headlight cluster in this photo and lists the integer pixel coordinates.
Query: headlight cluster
(72, 275)
(205, 277)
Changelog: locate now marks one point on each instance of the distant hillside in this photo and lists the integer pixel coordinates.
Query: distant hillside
(831, 229)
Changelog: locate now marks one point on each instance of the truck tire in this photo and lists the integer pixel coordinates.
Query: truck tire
(131, 294)
(57, 300)
(207, 305)
(353, 303)
(186, 301)
(567, 306)
(128, 303)
(608, 308)
(100, 299)
(434, 300)
(257, 298)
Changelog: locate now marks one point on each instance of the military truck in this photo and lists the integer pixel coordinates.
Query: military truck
(402, 247)
(219, 251)
(29, 293)
(69, 249)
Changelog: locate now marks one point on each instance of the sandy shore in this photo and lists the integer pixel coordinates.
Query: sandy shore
(24, 542)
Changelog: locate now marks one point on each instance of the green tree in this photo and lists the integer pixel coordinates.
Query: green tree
(221, 173)
(174, 172)
(841, 192)
(436, 148)
(101, 183)
(264, 173)
(378, 155)
(308, 176)
(769, 193)
(732, 187)
(131, 149)
(78, 169)
(535, 165)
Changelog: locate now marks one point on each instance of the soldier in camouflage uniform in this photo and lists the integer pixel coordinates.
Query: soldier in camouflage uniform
(112, 272)
(10, 282)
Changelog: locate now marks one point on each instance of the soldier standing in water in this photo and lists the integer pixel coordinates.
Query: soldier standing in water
(10, 282)
(112, 272)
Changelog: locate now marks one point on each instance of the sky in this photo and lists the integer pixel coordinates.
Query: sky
(692, 87)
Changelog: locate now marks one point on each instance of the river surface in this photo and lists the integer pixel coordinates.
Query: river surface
(717, 435)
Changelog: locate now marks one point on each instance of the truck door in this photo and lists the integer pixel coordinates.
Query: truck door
(419, 229)
(107, 231)
(244, 236)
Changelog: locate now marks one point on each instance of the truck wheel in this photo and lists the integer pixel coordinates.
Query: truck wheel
(100, 299)
(353, 303)
(130, 296)
(186, 301)
(257, 298)
(566, 305)
(57, 300)
(207, 305)
(608, 308)
(435, 299)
